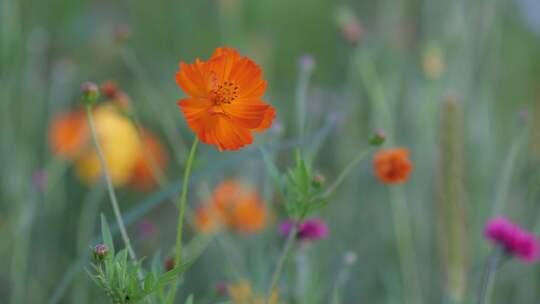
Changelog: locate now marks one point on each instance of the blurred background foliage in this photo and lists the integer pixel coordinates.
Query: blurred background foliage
(388, 64)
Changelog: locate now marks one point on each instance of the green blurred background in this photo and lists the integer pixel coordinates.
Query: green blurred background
(457, 82)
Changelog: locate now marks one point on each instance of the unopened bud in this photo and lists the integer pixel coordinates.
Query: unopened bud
(352, 32)
(90, 92)
(349, 25)
(433, 63)
(307, 63)
(523, 116)
(109, 88)
(122, 33)
(378, 138)
(169, 264)
(318, 181)
(100, 252)
(221, 288)
(350, 258)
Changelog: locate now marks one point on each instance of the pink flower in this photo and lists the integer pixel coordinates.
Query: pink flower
(515, 240)
(311, 229)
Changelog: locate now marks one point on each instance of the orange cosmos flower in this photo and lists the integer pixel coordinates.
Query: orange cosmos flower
(68, 134)
(392, 166)
(224, 104)
(233, 206)
(206, 220)
(150, 161)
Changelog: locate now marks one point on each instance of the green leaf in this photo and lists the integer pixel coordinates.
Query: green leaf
(148, 285)
(106, 235)
(170, 275)
(189, 300)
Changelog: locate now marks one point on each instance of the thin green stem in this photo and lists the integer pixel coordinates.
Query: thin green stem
(281, 262)
(488, 281)
(346, 171)
(301, 98)
(181, 214)
(108, 181)
(87, 219)
(405, 246)
(21, 253)
(508, 170)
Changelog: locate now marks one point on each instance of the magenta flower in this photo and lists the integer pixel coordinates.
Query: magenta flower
(311, 229)
(515, 240)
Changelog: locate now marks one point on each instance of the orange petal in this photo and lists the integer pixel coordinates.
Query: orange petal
(247, 115)
(221, 131)
(192, 80)
(223, 61)
(68, 134)
(248, 76)
(266, 123)
(195, 111)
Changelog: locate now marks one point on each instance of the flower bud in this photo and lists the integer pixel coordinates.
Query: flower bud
(318, 181)
(307, 63)
(100, 252)
(523, 116)
(352, 32)
(109, 88)
(378, 138)
(350, 258)
(433, 62)
(90, 92)
(122, 33)
(349, 25)
(169, 264)
(221, 288)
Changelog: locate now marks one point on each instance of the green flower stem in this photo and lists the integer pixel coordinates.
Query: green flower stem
(488, 281)
(181, 214)
(110, 188)
(405, 246)
(281, 262)
(346, 171)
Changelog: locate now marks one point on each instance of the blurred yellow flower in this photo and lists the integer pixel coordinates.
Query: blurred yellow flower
(242, 293)
(118, 138)
(433, 62)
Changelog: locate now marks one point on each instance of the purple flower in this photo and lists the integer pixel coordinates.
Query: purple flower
(311, 229)
(515, 240)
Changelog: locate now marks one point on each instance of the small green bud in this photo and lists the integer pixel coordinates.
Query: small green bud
(318, 181)
(90, 92)
(378, 138)
(100, 252)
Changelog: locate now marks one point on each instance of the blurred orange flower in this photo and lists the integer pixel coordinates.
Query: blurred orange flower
(150, 162)
(224, 102)
(234, 206)
(206, 219)
(392, 166)
(68, 134)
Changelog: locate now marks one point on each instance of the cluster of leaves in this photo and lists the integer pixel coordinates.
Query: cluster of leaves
(302, 190)
(123, 280)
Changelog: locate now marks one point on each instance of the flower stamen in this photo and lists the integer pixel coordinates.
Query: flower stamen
(224, 93)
